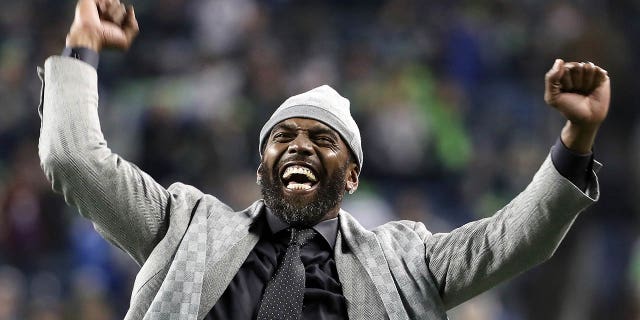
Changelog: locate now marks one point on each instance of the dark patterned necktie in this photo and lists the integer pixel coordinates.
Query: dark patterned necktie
(283, 296)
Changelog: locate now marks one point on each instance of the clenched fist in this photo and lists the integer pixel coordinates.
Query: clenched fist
(581, 92)
(102, 24)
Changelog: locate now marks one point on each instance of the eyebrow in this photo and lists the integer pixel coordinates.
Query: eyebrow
(284, 126)
(323, 130)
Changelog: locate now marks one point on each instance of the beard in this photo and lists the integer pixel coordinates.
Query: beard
(298, 211)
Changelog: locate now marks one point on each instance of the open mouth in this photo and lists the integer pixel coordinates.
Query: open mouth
(299, 178)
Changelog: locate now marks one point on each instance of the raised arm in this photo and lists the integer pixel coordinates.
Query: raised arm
(481, 254)
(125, 205)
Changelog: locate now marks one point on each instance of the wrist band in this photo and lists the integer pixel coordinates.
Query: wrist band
(82, 53)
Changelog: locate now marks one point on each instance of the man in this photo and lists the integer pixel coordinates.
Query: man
(297, 253)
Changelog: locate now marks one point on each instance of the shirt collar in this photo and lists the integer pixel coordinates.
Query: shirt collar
(327, 228)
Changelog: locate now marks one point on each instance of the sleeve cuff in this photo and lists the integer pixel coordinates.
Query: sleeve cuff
(573, 166)
(83, 54)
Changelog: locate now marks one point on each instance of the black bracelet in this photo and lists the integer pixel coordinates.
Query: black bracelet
(82, 53)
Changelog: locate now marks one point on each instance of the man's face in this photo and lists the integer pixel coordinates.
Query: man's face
(305, 170)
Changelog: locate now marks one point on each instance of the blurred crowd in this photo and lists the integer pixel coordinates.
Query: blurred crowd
(448, 96)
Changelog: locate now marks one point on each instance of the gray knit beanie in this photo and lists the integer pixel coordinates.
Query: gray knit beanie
(325, 105)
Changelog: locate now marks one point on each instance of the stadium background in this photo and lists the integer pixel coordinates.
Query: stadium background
(448, 96)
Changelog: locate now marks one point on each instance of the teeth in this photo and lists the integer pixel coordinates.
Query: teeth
(299, 170)
(298, 186)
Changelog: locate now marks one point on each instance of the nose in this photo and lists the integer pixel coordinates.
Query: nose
(301, 145)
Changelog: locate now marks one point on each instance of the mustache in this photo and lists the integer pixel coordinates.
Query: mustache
(297, 158)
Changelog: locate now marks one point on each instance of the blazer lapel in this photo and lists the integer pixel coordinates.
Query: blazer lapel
(180, 293)
(231, 239)
(363, 299)
(376, 284)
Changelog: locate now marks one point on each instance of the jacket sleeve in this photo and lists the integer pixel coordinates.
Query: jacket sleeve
(126, 205)
(526, 232)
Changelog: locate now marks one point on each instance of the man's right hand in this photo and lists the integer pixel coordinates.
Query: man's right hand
(102, 24)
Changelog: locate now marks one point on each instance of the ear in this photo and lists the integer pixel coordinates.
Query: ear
(258, 178)
(352, 178)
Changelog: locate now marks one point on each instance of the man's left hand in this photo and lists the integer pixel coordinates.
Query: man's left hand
(581, 92)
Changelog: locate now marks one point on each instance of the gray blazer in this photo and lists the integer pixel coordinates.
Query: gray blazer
(190, 244)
